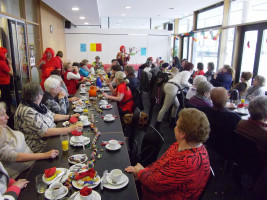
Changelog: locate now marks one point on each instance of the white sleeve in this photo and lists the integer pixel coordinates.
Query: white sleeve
(71, 75)
(184, 80)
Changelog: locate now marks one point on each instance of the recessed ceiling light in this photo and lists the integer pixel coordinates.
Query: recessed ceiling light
(127, 7)
(171, 8)
(82, 17)
(123, 14)
(86, 23)
(75, 8)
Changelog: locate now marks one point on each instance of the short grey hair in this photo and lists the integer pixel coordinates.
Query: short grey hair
(198, 79)
(204, 86)
(31, 91)
(261, 80)
(258, 108)
(51, 83)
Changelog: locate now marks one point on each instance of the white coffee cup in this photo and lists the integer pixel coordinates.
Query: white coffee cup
(115, 174)
(113, 143)
(56, 189)
(108, 116)
(83, 118)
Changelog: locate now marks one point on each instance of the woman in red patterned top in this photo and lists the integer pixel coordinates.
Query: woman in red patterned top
(122, 94)
(199, 71)
(183, 170)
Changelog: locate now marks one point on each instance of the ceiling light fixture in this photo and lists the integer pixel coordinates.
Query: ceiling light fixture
(123, 14)
(86, 23)
(127, 7)
(75, 8)
(82, 17)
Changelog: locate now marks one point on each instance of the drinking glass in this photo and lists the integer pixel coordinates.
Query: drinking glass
(243, 101)
(40, 185)
(64, 142)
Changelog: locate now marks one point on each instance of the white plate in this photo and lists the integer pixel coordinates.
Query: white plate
(109, 119)
(64, 178)
(78, 111)
(241, 111)
(74, 167)
(103, 103)
(78, 144)
(104, 107)
(84, 124)
(87, 83)
(73, 162)
(105, 89)
(75, 184)
(48, 194)
(95, 196)
(118, 146)
(115, 187)
(123, 179)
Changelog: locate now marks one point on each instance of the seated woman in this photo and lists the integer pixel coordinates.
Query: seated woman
(223, 77)
(171, 90)
(9, 188)
(244, 84)
(84, 71)
(199, 71)
(36, 121)
(15, 153)
(122, 94)
(257, 88)
(192, 90)
(114, 69)
(201, 99)
(71, 77)
(54, 98)
(210, 73)
(97, 64)
(183, 170)
(133, 81)
(255, 127)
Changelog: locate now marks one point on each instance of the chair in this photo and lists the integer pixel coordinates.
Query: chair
(153, 101)
(234, 95)
(132, 127)
(151, 145)
(208, 185)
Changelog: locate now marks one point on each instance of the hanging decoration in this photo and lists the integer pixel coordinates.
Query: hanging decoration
(248, 44)
(203, 34)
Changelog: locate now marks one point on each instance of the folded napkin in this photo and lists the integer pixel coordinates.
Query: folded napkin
(104, 143)
(50, 172)
(86, 191)
(112, 116)
(73, 120)
(240, 105)
(76, 133)
(91, 172)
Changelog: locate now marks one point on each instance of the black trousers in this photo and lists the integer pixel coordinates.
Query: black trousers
(6, 96)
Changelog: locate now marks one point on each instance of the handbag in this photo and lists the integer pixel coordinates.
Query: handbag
(142, 122)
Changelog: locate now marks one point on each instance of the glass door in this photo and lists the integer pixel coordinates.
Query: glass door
(262, 69)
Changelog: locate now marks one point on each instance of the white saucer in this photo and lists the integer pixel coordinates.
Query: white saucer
(64, 178)
(73, 162)
(118, 146)
(104, 107)
(75, 184)
(95, 196)
(115, 187)
(48, 194)
(75, 167)
(84, 124)
(109, 119)
(78, 111)
(123, 179)
(78, 144)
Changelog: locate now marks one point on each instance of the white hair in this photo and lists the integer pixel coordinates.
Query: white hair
(198, 79)
(51, 83)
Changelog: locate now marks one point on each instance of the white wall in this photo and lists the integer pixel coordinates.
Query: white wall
(157, 43)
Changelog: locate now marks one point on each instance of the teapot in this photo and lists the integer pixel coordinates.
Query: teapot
(93, 91)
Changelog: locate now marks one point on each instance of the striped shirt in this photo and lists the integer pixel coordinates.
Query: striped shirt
(34, 125)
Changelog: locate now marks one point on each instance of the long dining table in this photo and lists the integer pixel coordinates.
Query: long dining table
(110, 159)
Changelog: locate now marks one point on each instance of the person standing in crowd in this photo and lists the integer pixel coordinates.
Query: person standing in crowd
(47, 64)
(176, 63)
(6, 71)
(223, 77)
(133, 81)
(257, 88)
(183, 62)
(200, 70)
(210, 73)
(122, 56)
(149, 68)
(97, 64)
(59, 57)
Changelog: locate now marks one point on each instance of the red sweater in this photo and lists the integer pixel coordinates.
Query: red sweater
(4, 70)
(176, 175)
(123, 89)
(201, 72)
(71, 84)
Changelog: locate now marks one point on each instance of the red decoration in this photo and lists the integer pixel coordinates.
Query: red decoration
(91, 172)
(73, 120)
(76, 133)
(98, 47)
(248, 44)
(50, 172)
(86, 191)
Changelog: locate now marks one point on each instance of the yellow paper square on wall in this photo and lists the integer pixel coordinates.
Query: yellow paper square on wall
(93, 47)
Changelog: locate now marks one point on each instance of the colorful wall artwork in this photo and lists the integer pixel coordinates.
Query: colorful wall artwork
(96, 47)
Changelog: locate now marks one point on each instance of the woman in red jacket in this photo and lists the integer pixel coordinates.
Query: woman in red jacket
(5, 72)
(71, 77)
(183, 170)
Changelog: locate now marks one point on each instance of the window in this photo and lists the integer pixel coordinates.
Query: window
(10, 7)
(228, 54)
(31, 13)
(247, 11)
(185, 24)
(210, 17)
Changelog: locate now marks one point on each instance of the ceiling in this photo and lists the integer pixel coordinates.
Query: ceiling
(96, 12)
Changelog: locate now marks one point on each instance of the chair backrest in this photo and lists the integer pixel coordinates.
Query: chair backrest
(137, 96)
(133, 126)
(234, 95)
(205, 191)
(151, 145)
(144, 82)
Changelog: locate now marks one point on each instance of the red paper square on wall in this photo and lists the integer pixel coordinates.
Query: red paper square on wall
(98, 47)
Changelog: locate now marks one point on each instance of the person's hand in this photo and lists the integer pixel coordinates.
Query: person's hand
(130, 169)
(73, 99)
(138, 167)
(75, 115)
(108, 81)
(61, 95)
(78, 128)
(52, 154)
(76, 69)
(84, 80)
(105, 95)
(43, 62)
(21, 183)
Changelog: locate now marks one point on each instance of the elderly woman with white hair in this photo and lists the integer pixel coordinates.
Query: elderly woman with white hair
(15, 155)
(257, 88)
(36, 121)
(122, 94)
(192, 90)
(202, 97)
(54, 98)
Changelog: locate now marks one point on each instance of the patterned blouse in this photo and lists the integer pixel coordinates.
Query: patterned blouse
(58, 106)
(34, 125)
(176, 175)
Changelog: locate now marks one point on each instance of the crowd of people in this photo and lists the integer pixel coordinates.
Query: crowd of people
(183, 171)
